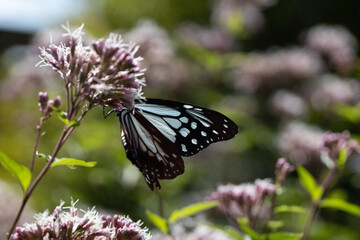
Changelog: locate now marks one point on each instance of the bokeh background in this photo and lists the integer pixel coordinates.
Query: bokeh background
(285, 71)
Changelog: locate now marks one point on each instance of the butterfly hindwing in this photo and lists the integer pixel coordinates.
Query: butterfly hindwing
(153, 153)
(191, 128)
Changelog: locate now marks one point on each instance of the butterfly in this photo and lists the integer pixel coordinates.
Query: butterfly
(156, 134)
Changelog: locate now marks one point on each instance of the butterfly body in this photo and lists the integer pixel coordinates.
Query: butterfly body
(156, 133)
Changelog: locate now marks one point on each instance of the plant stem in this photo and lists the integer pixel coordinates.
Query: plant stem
(37, 180)
(315, 204)
(160, 203)
(39, 128)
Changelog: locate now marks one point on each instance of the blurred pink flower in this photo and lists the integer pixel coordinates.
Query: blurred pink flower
(334, 142)
(213, 39)
(247, 10)
(300, 143)
(287, 104)
(275, 68)
(335, 43)
(330, 89)
(164, 69)
(244, 200)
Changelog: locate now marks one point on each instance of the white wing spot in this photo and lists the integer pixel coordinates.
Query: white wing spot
(188, 106)
(183, 148)
(193, 125)
(207, 141)
(174, 155)
(171, 164)
(194, 141)
(184, 119)
(224, 131)
(203, 134)
(198, 109)
(173, 122)
(184, 132)
(225, 120)
(225, 126)
(214, 131)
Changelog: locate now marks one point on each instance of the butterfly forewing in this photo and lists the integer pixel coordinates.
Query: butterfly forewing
(190, 128)
(148, 148)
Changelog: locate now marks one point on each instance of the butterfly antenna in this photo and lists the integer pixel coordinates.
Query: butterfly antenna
(108, 113)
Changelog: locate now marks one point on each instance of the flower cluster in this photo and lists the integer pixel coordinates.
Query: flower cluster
(300, 143)
(244, 200)
(66, 223)
(47, 106)
(336, 43)
(105, 73)
(283, 167)
(334, 142)
(163, 68)
(277, 67)
(212, 39)
(330, 89)
(248, 11)
(287, 104)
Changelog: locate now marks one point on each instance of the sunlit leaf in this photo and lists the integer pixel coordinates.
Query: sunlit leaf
(283, 236)
(73, 123)
(248, 230)
(290, 208)
(275, 224)
(19, 171)
(63, 117)
(342, 157)
(309, 183)
(342, 205)
(231, 232)
(158, 221)
(351, 113)
(72, 162)
(191, 210)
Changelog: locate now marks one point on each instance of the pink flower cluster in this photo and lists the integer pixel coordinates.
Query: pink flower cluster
(244, 200)
(105, 73)
(66, 223)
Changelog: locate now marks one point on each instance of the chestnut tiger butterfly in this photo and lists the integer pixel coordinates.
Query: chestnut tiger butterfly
(156, 134)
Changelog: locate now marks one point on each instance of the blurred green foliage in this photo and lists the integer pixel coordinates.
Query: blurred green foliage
(115, 185)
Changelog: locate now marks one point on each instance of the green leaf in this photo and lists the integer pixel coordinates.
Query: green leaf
(351, 113)
(309, 183)
(72, 162)
(191, 210)
(340, 204)
(243, 224)
(158, 221)
(63, 117)
(19, 171)
(274, 225)
(231, 232)
(290, 208)
(342, 157)
(73, 123)
(282, 236)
